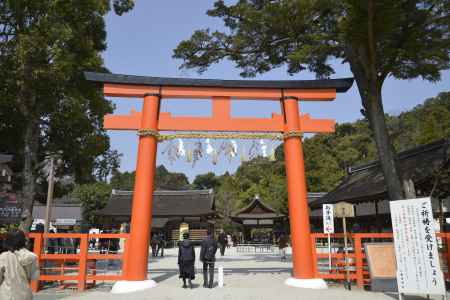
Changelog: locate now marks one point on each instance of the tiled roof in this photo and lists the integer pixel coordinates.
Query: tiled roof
(366, 182)
(165, 203)
(257, 209)
(59, 211)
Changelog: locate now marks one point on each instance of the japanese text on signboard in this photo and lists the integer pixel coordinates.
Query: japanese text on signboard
(418, 267)
(328, 218)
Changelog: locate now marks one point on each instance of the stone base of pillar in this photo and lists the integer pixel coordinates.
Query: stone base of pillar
(314, 283)
(122, 287)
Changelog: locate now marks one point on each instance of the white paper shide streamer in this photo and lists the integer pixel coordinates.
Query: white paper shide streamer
(181, 150)
(263, 147)
(209, 147)
(235, 148)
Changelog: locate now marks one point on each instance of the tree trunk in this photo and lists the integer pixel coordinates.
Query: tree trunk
(375, 114)
(363, 63)
(31, 140)
(370, 92)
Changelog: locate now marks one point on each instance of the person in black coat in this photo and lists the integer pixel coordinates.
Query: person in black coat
(161, 244)
(186, 260)
(222, 242)
(154, 243)
(208, 257)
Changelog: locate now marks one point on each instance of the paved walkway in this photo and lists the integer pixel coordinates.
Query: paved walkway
(247, 276)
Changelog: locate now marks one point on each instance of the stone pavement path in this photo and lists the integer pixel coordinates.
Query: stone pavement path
(247, 276)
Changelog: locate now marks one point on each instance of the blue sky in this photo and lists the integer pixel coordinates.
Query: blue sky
(142, 42)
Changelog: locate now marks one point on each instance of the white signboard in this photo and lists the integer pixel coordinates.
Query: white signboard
(328, 218)
(418, 267)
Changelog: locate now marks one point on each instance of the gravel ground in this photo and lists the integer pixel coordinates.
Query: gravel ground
(247, 276)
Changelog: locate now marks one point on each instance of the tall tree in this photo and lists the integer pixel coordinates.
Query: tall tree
(404, 39)
(45, 46)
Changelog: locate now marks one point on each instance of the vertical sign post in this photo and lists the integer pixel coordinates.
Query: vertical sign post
(418, 267)
(345, 210)
(328, 227)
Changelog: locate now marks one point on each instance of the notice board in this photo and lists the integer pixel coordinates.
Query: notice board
(418, 266)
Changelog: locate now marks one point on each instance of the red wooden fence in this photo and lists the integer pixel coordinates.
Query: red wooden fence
(359, 272)
(79, 267)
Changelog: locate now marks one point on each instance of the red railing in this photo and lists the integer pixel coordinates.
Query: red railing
(77, 265)
(357, 264)
(80, 268)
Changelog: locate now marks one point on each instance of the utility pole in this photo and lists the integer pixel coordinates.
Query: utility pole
(51, 181)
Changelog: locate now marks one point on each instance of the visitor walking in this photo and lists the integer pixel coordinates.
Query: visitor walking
(18, 267)
(208, 257)
(161, 244)
(229, 241)
(222, 242)
(186, 260)
(154, 243)
(282, 245)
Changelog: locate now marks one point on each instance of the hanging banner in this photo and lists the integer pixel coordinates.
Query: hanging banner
(418, 267)
(328, 218)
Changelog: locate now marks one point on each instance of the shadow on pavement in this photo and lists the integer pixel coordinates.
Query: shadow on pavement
(163, 274)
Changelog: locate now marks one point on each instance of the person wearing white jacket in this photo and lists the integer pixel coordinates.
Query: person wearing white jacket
(18, 267)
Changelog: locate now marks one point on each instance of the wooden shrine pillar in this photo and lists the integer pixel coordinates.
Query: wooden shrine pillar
(302, 256)
(141, 220)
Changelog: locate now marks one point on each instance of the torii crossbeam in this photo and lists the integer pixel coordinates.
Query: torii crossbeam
(150, 121)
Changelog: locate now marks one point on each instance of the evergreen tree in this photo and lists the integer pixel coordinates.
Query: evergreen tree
(403, 39)
(45, 46)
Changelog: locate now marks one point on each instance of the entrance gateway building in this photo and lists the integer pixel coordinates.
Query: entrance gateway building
(150, 121)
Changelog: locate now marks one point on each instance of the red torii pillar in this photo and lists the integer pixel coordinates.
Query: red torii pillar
(302, 256)
(141, 221)
(150, 121)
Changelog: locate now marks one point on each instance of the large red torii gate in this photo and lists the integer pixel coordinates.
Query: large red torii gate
(150, 121)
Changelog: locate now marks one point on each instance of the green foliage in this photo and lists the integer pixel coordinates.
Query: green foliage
(206, 181)
(225, 200)
(122, 181)
(46, 105)
(44, 48)
(377, 38)
(93, 197)
(106, 164)
(122, 6)
(328, 156)
(411, 37)
(164, 180)
(262, 177)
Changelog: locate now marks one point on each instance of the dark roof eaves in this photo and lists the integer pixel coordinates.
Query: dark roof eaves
(341, 85)
(326, 200)
(59, 205)
(403, 155)
(254, 202)
(165, 192)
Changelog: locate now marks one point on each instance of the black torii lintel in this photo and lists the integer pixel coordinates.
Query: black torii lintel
(340, 85)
